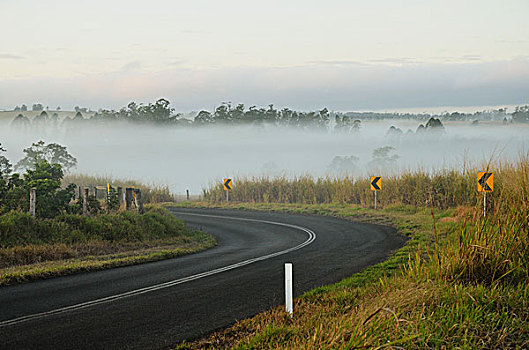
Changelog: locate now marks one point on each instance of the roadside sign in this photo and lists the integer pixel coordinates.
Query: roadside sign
(376, 183)
(227, 184)
(485, 181)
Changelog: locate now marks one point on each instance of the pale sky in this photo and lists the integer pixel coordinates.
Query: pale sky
(344, 55)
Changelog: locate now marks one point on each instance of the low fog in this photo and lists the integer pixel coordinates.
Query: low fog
(196, 157)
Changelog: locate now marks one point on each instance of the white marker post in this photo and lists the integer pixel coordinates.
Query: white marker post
(484, 204)
(376, 200)
(289, 302)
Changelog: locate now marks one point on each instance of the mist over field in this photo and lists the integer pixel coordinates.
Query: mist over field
(195, 157)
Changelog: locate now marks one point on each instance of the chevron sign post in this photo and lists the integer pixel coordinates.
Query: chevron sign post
(485, 184)
(227, 186)
(376, 185)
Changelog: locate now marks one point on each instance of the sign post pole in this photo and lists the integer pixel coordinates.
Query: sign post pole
(376, 185)
(484, 204)
(485, 184)
(227, 186)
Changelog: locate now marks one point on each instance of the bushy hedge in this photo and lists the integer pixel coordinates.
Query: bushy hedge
(18, 228)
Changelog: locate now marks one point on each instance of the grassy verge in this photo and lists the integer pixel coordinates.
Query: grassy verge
(458, 284)
(40, 248)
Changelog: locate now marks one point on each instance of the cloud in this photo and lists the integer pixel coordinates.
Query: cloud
(308, 87)
(176, 62)
(9, 56)
(396, 60)
(130, 67)
(338, 63)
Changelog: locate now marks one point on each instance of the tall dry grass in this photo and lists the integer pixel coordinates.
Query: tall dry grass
(494, 249)
(468, 290)
(150, 193)
(442, 189)
(486, 250)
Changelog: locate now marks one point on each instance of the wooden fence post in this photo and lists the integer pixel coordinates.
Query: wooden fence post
(85, 201)
(32, 201)
(128, 198)
(120, 195)
(95, 192)
(139, 201)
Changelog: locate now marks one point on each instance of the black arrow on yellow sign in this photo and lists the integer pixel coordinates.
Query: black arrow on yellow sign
(375, 183)
(227, 184)
(484, 182)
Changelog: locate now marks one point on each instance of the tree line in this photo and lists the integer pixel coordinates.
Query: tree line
(161, 113)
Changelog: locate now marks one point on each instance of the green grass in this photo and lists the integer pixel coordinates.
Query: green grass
(402, 301)
(460, 282)
(39, 248)
(20, 229)
(166, 250)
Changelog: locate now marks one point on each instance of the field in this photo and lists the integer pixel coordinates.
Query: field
(460, 282)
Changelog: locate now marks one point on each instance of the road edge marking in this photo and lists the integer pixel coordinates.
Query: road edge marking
(311, 238)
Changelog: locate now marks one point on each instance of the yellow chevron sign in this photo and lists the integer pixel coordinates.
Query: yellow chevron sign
(376, 183)
(485, 181)
(227, 184)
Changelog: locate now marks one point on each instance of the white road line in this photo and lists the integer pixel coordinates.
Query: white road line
(310, 239)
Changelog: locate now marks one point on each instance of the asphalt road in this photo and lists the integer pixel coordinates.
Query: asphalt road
(157, 305)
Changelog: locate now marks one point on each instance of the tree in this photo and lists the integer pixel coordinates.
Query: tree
(52, 153)
(383, 159)
(394, 132)
(46, 178)
(286, 116)
(343, 165)
(21, 122)
(435, 124)
(5, 165)
(356, 125)
(222, 113)
(521, 114)
(203, 117)
(271, 114)
(159, 111)
(23, 108)
(81, 109)
(13, 195)
(37, 107)
(237, 114)
(78, 117)
(324, 117)
(40, 119)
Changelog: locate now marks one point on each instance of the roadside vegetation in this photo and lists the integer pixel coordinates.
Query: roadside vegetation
(32, 248)
(461, 281)
(59, 240)
(151, 193)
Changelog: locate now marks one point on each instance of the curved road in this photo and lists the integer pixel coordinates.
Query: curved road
(159, 304)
